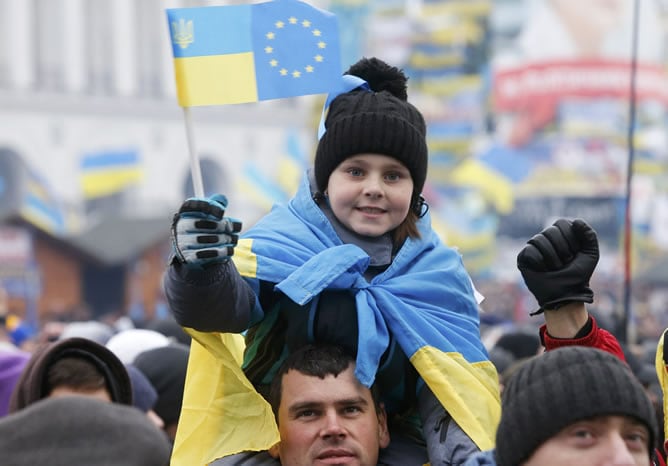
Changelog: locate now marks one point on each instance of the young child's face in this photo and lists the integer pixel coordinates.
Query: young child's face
(370, 193)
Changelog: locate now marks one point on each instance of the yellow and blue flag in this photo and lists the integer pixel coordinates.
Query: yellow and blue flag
(267, 190)
(247, 53)
(41, 208)
(108, 172)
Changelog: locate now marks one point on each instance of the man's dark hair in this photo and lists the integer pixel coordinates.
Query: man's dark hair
(315, 361)
(76, 373)
(74, 362)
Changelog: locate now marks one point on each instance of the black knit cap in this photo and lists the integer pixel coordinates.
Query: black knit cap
(556, 389)
(379, 122)
(165, 367)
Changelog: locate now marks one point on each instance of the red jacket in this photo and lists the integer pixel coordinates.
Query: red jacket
(595, 338)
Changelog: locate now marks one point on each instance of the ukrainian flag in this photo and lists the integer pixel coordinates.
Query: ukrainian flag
(40, 206)
(260, 188)
(247, 53)
(292, 165)
(104, 173)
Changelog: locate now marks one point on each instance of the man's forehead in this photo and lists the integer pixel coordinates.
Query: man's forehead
(303, 387)
(611, 420)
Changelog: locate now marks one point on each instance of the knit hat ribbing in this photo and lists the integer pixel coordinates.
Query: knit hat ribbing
(379, 122)
(563, 386)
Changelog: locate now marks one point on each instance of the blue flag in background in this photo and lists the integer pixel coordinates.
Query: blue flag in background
(246, 53)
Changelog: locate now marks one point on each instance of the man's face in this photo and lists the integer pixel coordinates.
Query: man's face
(330, 421)
(599, 441)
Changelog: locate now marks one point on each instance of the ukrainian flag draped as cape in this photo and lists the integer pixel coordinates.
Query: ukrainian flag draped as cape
(424, 298)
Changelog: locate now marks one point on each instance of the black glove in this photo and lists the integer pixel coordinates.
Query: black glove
(557, 263)
(201, 234)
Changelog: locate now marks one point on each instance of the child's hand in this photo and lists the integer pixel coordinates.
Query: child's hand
(557, 263)
(201, 234)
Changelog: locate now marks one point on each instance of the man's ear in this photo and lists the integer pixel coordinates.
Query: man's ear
(274, 450)
(383, 431)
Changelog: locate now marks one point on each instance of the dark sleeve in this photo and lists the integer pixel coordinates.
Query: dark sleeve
(214, 299)
(596, 337)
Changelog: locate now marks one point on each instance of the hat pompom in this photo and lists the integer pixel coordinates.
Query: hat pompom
(381, 77)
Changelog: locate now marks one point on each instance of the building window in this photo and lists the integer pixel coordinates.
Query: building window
(49, 37)
(99, 51)
(151, 39)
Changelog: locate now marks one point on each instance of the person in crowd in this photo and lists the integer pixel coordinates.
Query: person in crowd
(144, 395)
(78, 430)
(6, 341)
(324, 414)
(647, 375)
(503, 360)
(573, 405)
(97, 331)
(557, 265)
(519, 343)
(165, 368)
(169, 328)
(15, 333)
(351, 260)
(72, 366)
(661, 367)
(12, 363)
(129, 343)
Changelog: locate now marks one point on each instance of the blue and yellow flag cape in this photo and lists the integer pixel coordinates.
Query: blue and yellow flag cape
(425, 299)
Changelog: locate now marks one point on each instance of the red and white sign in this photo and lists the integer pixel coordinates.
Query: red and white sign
(534, 84)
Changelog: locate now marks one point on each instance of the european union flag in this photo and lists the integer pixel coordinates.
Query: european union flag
(246, 53)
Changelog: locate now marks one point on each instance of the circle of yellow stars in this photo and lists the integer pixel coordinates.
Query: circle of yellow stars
(317, 35)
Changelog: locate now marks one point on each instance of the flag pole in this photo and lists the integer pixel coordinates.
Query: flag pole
(195, 170)
(624, 335)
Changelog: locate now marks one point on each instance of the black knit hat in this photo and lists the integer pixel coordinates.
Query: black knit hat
(379, 122)
(165, 367)
(556, 389)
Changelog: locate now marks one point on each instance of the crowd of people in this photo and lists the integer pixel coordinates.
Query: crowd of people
(340, 329)
(92, 393)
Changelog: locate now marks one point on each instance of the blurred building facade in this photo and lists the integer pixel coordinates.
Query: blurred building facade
(94, 157)
(527, 104)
